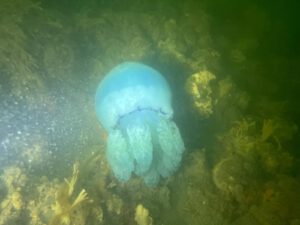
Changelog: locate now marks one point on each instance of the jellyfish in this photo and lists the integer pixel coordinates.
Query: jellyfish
(133, 104)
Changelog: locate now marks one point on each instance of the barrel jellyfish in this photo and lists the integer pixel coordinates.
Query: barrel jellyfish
(133, 104)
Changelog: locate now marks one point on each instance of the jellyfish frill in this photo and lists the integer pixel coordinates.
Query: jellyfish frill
(133, 104)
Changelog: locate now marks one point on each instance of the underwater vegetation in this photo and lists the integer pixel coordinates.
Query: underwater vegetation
(142, 216)
(16, 63)
(11, 206)
(133, 103)
(63, 208)
(198, 86)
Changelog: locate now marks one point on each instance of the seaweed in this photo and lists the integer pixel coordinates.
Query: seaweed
(63, 208)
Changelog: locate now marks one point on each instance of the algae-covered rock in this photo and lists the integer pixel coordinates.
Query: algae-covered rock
(237, 178)
(196, 199)
(142, 216)
(199, 86)
(279, 203)
(13, 203)
(17, 64)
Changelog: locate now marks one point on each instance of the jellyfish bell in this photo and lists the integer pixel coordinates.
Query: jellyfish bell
(133, 103)
(131, 87)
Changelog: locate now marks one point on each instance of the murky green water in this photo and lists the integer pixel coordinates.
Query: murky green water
(233, 68)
